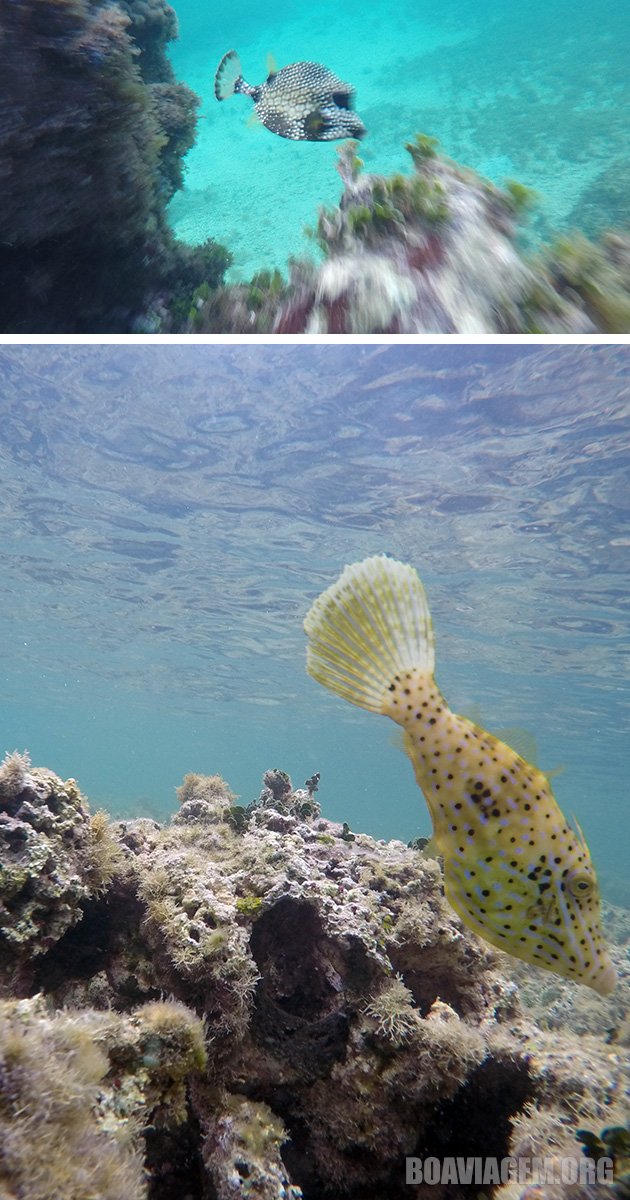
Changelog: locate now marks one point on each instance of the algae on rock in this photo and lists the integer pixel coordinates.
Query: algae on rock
(278, 1008)
(78, 1088)
(53, 857)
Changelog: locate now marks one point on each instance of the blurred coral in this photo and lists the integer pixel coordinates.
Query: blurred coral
(436, 252)
(433, 252)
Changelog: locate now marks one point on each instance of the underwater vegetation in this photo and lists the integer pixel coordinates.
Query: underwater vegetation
(436, 251)
(93, 132)
(251, 1000)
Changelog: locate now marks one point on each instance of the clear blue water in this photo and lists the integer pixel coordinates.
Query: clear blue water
(167, 514)
(537, 91)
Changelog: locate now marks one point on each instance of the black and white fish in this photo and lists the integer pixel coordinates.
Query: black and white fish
(304, 101)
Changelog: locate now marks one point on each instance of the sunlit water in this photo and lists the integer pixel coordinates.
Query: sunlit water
(537, 91)
(168, 513)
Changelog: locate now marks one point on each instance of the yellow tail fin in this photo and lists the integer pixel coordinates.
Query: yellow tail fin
(368, 627)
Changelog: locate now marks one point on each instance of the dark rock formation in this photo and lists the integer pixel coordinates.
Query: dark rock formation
(92, 136)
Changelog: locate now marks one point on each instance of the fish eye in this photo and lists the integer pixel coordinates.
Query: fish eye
(580, 885)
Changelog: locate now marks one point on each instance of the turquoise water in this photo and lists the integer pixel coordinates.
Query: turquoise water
(167, 514)
(537, 91)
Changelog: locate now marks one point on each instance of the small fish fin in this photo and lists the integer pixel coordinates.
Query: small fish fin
(227, 76)
(521, 741)
(579, 833)
(368, 627)
(272, 67)
(397, 740)
(253, 121)
(524, 743)
(517, 737)
(314, 124)
(555, 771)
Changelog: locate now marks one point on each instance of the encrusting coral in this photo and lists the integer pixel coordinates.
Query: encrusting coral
(272, 1005)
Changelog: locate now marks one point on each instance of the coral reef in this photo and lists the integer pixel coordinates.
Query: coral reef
(255, 1001)
(94, 126)
(53, 857)
(93, 129)
(432, 252)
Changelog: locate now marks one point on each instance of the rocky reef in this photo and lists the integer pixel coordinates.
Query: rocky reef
(256, 1001)
(436, 251)
(93, 130)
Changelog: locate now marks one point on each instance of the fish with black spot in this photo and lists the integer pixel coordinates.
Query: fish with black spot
(303, 101)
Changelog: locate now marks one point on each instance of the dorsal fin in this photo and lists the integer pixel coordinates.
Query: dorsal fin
(272, 67)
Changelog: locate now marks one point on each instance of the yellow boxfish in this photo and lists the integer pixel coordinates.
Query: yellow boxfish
(514, 871)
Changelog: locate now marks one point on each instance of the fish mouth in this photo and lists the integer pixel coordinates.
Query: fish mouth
(605, 982)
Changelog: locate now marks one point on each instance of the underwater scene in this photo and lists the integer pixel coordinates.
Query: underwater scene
(313, 814)
(384, 169)
(536, 92)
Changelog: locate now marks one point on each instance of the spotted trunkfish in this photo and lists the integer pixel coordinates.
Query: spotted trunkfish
(304, 101)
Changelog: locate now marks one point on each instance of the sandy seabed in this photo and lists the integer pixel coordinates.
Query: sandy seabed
(535, 94)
